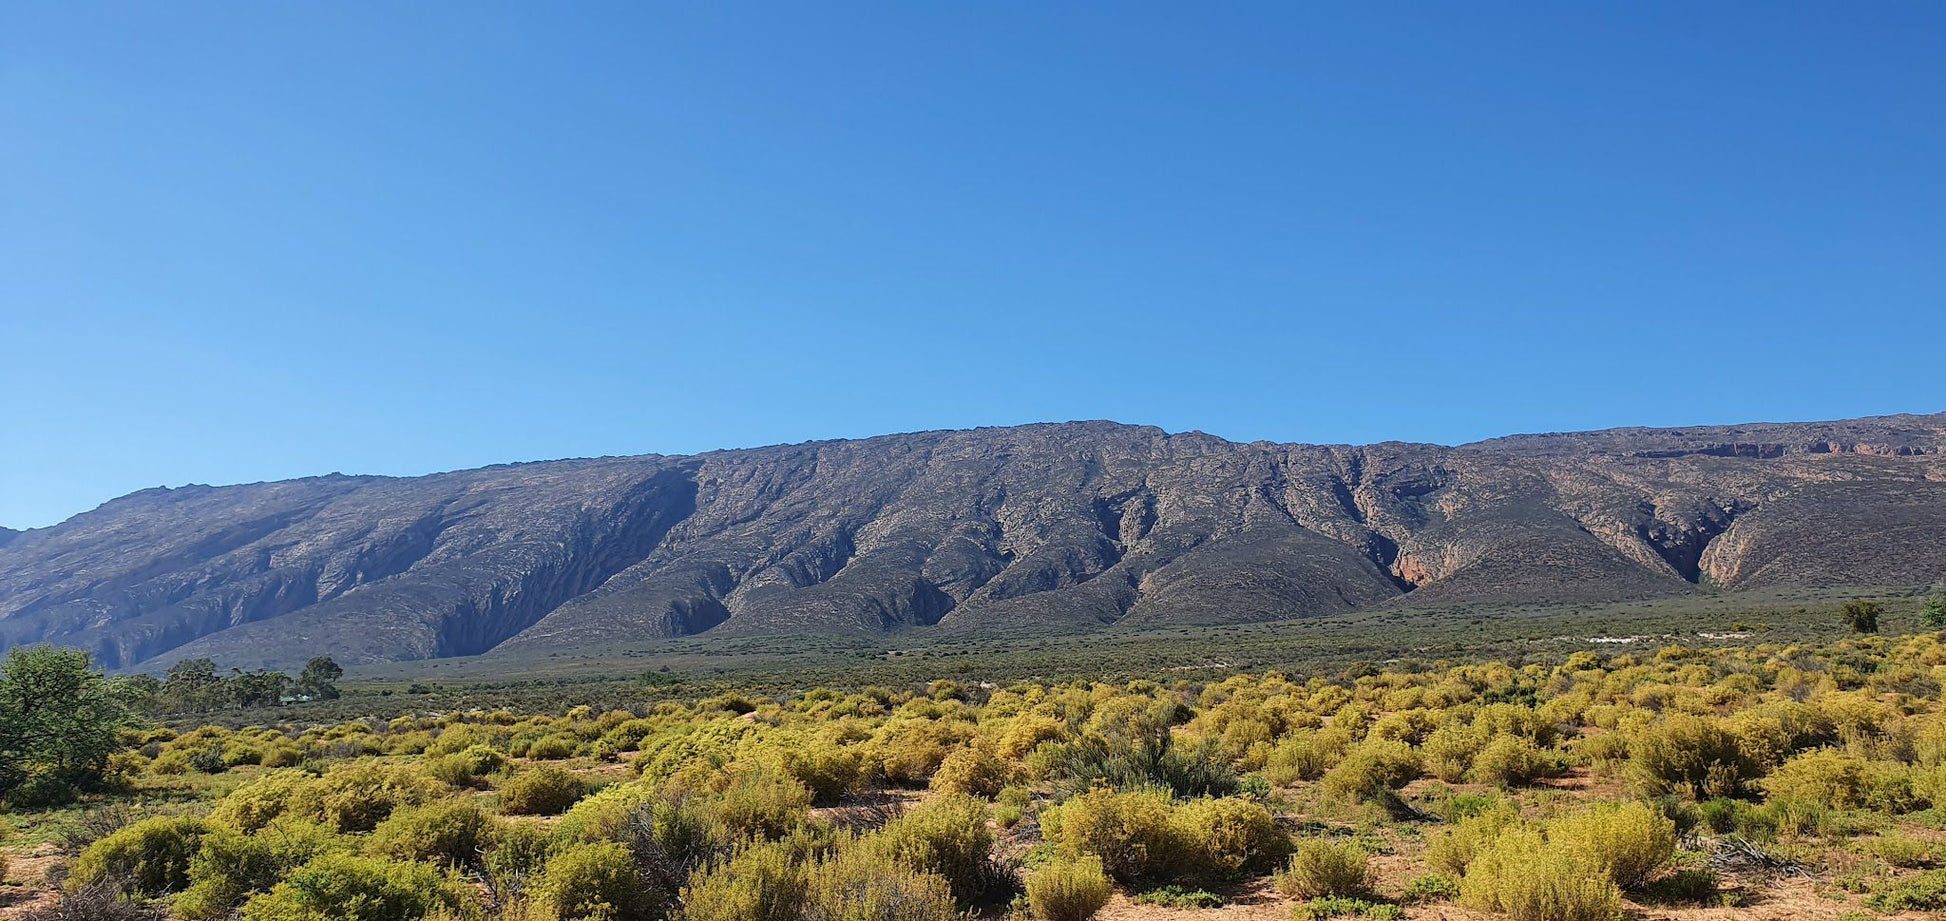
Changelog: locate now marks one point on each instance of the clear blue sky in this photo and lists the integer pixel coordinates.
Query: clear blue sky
(260, 240)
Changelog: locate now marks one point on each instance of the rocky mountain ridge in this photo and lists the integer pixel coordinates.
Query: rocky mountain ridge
(1080, 526)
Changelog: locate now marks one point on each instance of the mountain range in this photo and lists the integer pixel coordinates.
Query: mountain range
(1072, 526)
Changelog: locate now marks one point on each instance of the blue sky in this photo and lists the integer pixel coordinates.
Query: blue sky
(252, 241)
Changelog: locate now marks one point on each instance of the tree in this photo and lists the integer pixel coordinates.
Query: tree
(318, 680)
(259, 688)
(193, 684)
(60, 719)
(1861, 615)
(1935, 612)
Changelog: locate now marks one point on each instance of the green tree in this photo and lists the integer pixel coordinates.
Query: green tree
(259, 688)
(1861, 615)
(1935, 612)
(60, 719)
(193, 684)
(318, 680)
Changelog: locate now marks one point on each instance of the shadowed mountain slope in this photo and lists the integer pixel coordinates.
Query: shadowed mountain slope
(1078, 526)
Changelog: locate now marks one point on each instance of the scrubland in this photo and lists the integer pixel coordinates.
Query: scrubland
(1802, 780)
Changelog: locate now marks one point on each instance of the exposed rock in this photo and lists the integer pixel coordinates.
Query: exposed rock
(1080, 526)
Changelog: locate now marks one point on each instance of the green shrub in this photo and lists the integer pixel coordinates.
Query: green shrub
(946, 835)
(1511, 761)
(1068, 890)
(356, 796)
(1303, 755)
(973, 771)
(1924, 892)
(1222, 839)
(1173, 896)
(591, 882)
(1450, 850)
(150, 857)
(1902, 850)
(1130, 832)
(1322, 869)
(1688, 756)
(453, 832)
(1321, 909)
(552, 748)
(1432, 887)
(1372, 771)
(1840, 780)
(856, 886)
(1520, 876)
(759, 882)
(339, 887)
(1628, 841)
(518, 853)
(1693, 885)
(465, 768)
(760, 803)
(544, 790)
(258, 802)
(229, 867)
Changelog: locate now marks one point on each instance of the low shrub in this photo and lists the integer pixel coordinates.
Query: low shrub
(1432, 887)
(759, 882)
(1628, 841)
(1068, 890)
(854, 885)
(1321, 909)
(230, 866)
(1451, 850)
(946, 835)
(1322, 869)
(453, 832)
(591, 882)
(544, 790)
(1179, 897)
(1924, 892)
(1372, 771)
(760, 803)
(974, 771)
(1221, 839)
(149, 858)
(1130, 832)
(1520, 876)
(340, 887)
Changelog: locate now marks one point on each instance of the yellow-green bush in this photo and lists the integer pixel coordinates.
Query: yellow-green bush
(1321, 869)
(452, 832)
(590, 882)
(1130, 832)
(356, 796)
(760, 803)
(973, 771)
(340, 887)
(543, 790)
(1068, 890)
(1691, 756)
(229, 866)
(1450, 850)
(854, 885)
(1628, 841)
(1522, 877)
(759, 882)
(1372, 771)
(1220, 839)
(150, 857)
(947, 836)
(1511, 761)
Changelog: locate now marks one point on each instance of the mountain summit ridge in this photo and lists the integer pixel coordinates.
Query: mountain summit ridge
(1082, 525)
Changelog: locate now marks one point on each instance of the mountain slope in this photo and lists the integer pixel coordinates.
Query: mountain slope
(1079, 525)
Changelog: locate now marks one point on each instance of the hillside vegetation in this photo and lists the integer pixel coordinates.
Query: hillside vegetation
(1806, 779)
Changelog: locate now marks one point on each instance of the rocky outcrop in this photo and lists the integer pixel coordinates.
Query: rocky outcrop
(1070, 526)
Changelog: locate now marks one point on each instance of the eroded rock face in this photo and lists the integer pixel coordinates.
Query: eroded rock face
(1080, 525)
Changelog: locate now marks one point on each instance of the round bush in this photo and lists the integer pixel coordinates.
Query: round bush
(545, 790)
(341, 887)
(1321, 869)
(150, 857)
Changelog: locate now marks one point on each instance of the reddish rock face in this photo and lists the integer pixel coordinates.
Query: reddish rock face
(1080, 525)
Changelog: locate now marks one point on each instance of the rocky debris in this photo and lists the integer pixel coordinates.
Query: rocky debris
(1087, 525)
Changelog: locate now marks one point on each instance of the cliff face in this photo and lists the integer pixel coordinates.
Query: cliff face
(1081, 526)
